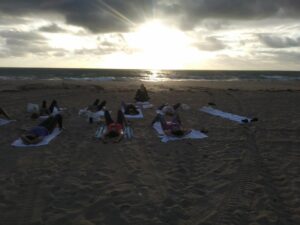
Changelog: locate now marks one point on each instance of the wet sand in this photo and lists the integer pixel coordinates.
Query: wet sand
(241, 174)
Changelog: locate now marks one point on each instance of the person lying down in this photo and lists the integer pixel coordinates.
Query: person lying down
(115, 129)
(130, 109)
(36, 134)
(171, 125)
(96, 106)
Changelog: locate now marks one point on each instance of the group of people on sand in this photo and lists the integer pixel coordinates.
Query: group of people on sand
(168, 118)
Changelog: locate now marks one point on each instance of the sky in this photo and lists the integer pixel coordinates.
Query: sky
(151, 34)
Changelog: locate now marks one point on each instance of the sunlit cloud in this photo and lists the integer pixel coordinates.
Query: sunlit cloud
(158, 34)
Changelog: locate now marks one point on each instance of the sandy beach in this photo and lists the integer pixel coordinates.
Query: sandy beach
(241, 174)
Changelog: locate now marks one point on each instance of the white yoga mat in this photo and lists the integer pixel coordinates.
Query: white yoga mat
(225, 115)
(4, 121)
(87, 113)
(138, 116)
(144, 105)
(194, 134)
(45, 141)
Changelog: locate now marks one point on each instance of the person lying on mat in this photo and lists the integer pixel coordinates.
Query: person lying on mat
(172, 127)
(37, 133)
(172, 109)
(130, 109)
(44, 110)
(96, 107)
(115, 129)
(3, 113)
(142, 94)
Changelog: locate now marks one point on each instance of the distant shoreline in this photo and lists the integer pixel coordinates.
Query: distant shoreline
(145, 69)
(20, 85)
(100, 75)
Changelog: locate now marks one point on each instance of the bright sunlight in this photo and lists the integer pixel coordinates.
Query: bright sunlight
(159, 46)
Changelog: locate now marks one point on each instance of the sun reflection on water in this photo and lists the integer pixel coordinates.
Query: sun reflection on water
(155, 76)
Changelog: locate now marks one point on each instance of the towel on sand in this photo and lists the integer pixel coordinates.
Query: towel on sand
(89, 114)
(144, 105)
(4, 121)
(45, 141)
(225, 115)
(194, 134)
(138, 116)
(128, 131)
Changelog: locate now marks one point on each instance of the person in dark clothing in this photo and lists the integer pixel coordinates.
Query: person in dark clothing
(130, 109)
(37, 133)
(44, 109)
(115, 129)
(171, 127)
(142, 94)
(52, 106)
(95, 107)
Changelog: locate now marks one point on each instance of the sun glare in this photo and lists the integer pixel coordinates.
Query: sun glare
(159, 46)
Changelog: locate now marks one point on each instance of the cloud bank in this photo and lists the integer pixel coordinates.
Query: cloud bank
(233, 28)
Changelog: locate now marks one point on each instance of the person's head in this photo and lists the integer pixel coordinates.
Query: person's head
(168, 110)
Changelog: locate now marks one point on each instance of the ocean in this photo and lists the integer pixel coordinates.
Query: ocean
(102, 75)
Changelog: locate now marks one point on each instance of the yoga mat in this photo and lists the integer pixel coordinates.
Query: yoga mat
(45, 141)
(194, 134)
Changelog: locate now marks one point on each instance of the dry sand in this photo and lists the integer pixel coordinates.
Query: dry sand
(241, 174)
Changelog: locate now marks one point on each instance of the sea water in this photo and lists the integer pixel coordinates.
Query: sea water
(102, 75)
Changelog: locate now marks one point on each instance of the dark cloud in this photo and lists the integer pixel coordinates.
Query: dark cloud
(273, 41)
(102, 16)
(210, 44)
(7, 20)
(96, 15)
(288, 56)
(189, 13)
(19, 43)
(280, 57)
(52, 28)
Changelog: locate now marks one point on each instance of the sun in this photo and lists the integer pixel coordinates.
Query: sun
(159, 46)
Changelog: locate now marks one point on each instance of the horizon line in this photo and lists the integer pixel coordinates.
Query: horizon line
(146, 69)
